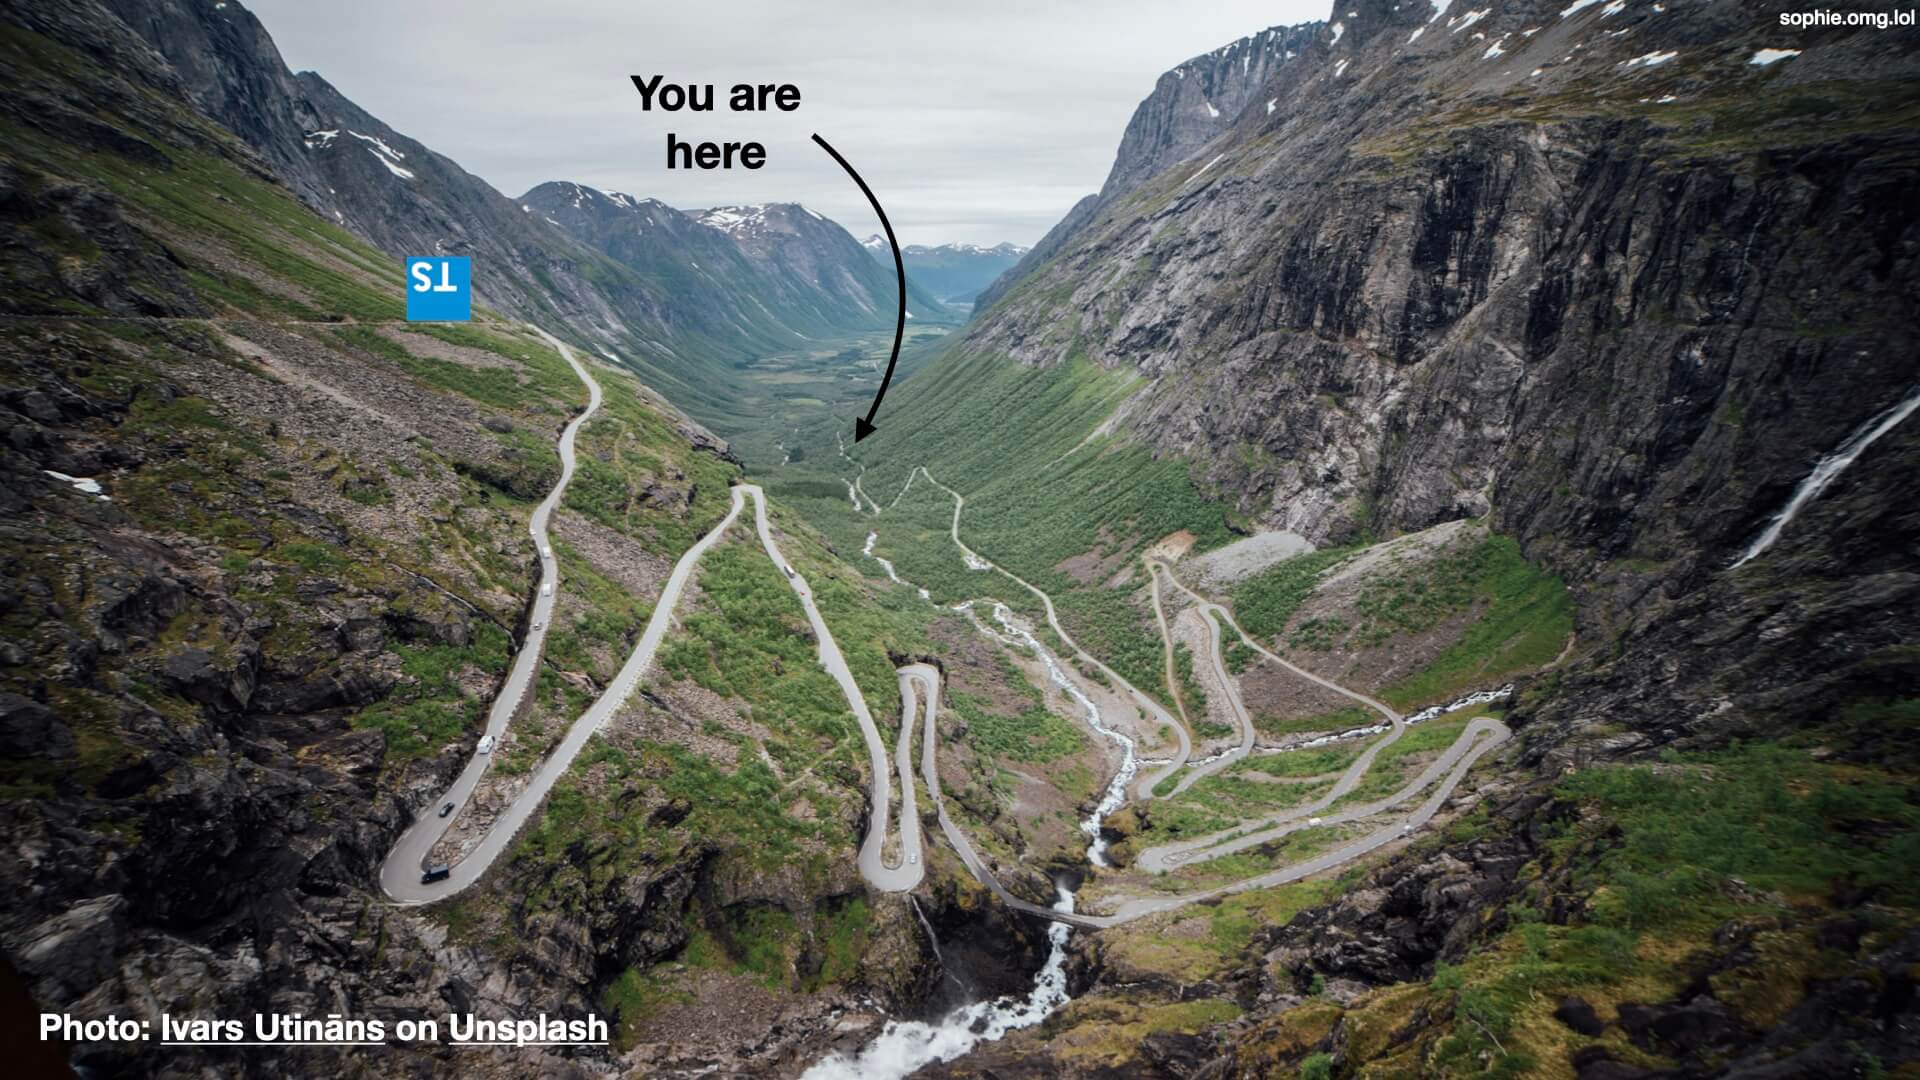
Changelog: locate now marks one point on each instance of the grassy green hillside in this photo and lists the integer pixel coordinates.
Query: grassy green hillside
(1042, 488)
(238, 382)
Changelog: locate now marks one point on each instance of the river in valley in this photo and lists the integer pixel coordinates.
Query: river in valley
(905, 1046)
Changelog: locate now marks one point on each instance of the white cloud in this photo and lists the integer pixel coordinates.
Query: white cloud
(980, 122)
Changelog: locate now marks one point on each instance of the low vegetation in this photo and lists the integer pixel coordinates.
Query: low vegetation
(1265, 603)
(1659, 861)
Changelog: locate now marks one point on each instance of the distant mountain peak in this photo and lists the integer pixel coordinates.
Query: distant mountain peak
(752, 219)
(953, 272)
(731, 219)
(878, 243)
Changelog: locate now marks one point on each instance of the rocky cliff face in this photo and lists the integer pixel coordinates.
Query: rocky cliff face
(1614, 277)
(1599, 273)
(1194, 103)
(1189, 107)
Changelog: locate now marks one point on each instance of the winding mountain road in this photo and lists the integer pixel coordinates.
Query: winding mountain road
(1252, 834)
(1242, 718)
(1183, 748)
(400, 875)
(1214, 614)
(872, 861)
(1217, 610)
(919, 692)
(919, 685)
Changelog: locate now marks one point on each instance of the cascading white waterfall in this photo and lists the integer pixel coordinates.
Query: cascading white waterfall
(933, 939)
(1827, 470)
(904, 1047)
(1478, 697)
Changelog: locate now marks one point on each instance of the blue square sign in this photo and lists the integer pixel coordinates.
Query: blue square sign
(439, 290)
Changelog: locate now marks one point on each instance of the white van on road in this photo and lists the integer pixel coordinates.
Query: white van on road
(547, 589)
(486, 744)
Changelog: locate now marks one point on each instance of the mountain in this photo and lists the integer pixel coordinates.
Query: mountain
(1620, 281)
(1188, 107)
(780, 266)
(682, 327)
(268, 563)
(387, 188)
(267, 559)
(1467, 477)
(953, 272)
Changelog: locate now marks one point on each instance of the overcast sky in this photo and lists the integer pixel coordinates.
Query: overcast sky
(980, 121)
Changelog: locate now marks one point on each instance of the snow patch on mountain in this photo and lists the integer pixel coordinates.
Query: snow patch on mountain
(385, 154)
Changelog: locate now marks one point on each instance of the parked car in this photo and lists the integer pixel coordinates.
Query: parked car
(1313, 821)
(486, 744)
(447, 809)
(435, 873)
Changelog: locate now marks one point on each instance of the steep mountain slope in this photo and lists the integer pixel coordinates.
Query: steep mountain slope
(953, 272)
(680, 320)
(1189, 106)
(1435, 285)
(266, 560)
(775, 270)
(1612, 278)
(385, 187)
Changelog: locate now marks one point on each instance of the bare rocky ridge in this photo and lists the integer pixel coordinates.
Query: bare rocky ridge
(1188, 108)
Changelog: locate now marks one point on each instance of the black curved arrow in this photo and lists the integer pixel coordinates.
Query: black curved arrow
(863, 426)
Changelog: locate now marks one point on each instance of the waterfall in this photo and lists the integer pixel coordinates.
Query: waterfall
(903, 1048)
(1478, 697)
(1830, 467)
(932, 939)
